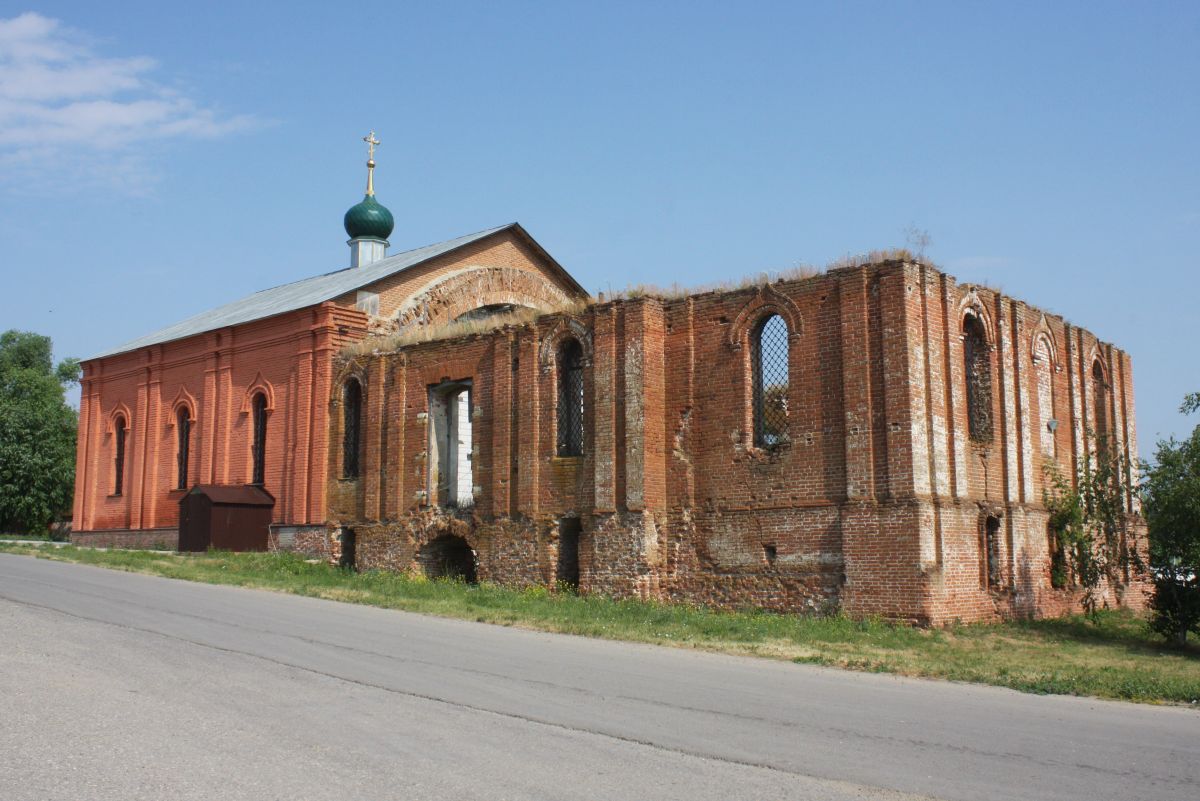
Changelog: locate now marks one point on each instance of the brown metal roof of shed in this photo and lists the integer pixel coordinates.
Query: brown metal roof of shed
(240, 494)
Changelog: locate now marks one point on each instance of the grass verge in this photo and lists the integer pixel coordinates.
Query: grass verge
(1114, 656)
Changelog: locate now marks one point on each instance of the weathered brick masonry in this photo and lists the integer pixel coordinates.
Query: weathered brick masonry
(905, 479)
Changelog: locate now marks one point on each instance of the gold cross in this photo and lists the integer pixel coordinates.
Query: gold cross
(371, 143)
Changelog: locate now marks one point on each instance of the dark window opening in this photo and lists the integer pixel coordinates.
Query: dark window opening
(978, 371)
(769, 356)
(119, 460)
(351, 422)
(488, 311)
(991, 553)
(771, 553)
(448, 557)
(1059, 570)
(568, 552)
(570, 399)
(183, 424)
(349, 556)
(260, 439)
(1100, 398)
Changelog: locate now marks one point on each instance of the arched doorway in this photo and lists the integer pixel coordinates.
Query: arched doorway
(449, 557)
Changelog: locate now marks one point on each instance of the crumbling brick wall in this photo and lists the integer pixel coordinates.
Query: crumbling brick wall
(871, 497)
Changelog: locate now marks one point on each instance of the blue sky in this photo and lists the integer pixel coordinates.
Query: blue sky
(157, 159)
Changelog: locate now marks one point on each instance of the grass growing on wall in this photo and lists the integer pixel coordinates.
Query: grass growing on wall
(1112, 657)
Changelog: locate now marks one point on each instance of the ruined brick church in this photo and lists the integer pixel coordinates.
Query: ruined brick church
(870, 439)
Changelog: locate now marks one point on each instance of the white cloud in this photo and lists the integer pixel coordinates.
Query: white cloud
(60, 100)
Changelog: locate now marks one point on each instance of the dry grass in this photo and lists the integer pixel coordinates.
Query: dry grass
(875, 257)
(799, 272)
(422, 334)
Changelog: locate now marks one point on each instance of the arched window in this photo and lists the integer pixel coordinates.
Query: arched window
(183, 428)
(570, 398)
(119, 429)
(259, 448)
(1043, 370)
(769, 356)
(978, 371)
(1100, 401)
(351, 427)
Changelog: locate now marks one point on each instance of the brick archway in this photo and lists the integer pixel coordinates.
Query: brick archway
(448, 556)
(450, 296)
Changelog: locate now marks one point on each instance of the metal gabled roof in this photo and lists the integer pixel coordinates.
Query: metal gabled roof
(238, 494)
(308, 292)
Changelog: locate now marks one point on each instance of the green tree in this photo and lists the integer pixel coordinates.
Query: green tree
(37, 433)
(1095, 533)
(1171, 503)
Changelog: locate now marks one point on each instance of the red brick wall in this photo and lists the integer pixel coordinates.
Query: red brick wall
(213, 375)
(874, 504)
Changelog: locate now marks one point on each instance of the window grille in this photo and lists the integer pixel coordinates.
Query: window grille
(978, 370)
(1100, 399)
(770, 369)
(260, 439)
(352, 419)
(184, 426)
(570, 399)
(119, 482)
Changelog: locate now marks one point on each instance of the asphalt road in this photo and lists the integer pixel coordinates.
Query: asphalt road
(121, 686)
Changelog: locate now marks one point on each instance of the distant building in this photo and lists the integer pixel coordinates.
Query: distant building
(871, 439)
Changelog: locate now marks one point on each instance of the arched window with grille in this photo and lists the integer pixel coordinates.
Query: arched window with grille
(1100, 400)
(183, 429)
(977, 369)
(120, 427)
(351, 427)
(570, 398)
(259, 448)
(769, 357)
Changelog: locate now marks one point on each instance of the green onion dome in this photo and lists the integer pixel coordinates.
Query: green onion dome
(369, 219)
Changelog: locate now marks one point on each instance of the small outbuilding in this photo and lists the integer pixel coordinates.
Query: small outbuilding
(228, 518)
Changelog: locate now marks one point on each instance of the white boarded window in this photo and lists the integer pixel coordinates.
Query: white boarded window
(368, 302)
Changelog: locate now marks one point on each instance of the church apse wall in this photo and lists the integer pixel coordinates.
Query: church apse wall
(871, 439)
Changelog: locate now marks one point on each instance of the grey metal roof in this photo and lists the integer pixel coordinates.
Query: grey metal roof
(297, 295)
